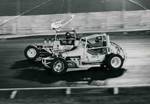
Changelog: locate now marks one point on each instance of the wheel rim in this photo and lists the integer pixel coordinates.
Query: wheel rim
(31, 53)
(58, 66)
(115, 62)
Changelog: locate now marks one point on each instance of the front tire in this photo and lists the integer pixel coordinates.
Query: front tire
(31, 52)
(58, 66)
(114, 61)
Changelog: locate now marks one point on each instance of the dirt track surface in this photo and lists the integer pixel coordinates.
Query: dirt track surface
(16, 71)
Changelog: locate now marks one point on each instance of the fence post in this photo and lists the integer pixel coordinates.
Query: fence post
(68, 91)
(115, 90)
(13, 94)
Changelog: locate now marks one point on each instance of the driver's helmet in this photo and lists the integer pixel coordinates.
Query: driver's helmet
(98, 39)
(68, 35)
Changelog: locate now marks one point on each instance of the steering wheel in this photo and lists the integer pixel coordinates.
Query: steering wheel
(89, 45)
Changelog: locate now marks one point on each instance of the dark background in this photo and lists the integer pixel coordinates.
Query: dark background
(15, 7)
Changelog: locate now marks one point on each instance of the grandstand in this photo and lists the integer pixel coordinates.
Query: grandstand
(90, 16)
(13, 7)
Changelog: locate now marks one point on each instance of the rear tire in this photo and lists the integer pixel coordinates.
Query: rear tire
(31, 53)
(114, 61)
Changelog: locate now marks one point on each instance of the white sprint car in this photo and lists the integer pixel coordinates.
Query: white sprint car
(60, 54)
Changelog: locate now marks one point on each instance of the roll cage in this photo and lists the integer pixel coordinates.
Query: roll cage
(103, 44)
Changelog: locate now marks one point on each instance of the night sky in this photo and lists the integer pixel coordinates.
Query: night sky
(14, 7)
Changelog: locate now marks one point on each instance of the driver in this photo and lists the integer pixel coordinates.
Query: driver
(98, 42)
(68, 35)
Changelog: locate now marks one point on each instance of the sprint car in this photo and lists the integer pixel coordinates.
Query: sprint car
(60, 54)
